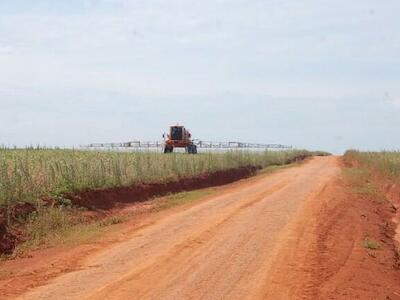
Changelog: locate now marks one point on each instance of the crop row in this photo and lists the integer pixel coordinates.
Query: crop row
(29, 174)
(385, 163)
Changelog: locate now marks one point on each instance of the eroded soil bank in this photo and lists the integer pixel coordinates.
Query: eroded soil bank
(392, 192)
(100, 200)
(105, 199)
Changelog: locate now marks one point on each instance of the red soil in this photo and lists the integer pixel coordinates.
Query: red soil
(10, 237)
(109, 198)
(326, 258)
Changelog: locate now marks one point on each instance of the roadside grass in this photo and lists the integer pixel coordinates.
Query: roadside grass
(275, 168)
(46, 220)
(182, 198)
(272, 169)
(371, 244)
(366, 173)
(321, 153)
(359, 180)
(112, 221)
(385, 163)
(55, 228)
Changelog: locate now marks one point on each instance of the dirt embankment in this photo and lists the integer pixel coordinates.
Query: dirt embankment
(389, 187)
(105, 199)
(345, 262)
(109, 198)
(392, 191)
(345, 250)
(10, 236)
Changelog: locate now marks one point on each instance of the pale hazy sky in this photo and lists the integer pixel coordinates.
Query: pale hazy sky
(314, 74)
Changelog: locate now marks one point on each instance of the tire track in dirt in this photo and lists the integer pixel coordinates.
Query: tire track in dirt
(183, 253)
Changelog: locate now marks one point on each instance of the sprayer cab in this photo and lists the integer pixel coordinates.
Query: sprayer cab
(179, 137)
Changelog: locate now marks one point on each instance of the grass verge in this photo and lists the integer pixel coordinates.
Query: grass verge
(372, 175)
(182, 198)
(360, 182)
(371, 244)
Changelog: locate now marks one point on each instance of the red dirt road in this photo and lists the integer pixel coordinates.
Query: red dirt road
(267, 237)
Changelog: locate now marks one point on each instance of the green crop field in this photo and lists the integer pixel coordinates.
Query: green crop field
(384, 163)
(29, 174)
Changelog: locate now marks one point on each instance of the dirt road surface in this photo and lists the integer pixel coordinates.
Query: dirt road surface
(222, 248)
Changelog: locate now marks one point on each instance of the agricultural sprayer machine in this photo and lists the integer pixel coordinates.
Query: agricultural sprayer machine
(180, 137)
